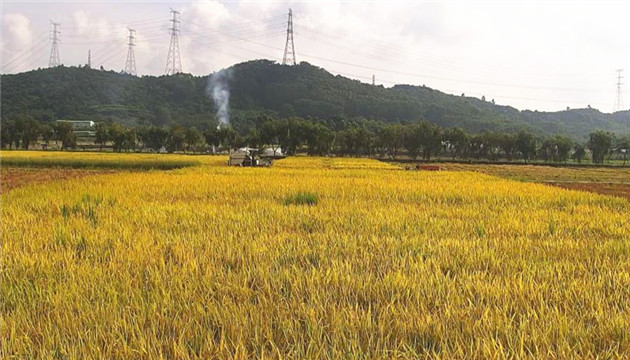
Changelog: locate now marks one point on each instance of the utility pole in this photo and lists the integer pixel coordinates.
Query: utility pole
(289, 58)
(130, 66)
(619, 102)
(373, 80)
(174, 60)
(54, 61)
(89, 63)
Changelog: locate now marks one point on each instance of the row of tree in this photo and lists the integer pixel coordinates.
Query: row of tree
(415, 140)
(23, 133)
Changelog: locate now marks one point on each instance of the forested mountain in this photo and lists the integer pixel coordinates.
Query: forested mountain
(263, 86)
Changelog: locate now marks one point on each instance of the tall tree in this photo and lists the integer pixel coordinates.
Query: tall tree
(456, 141)
(563, 147)
(30, 132)
(176, 139)
(5, 133)
(623, 147)
(393, 138)
(228, 137)
(507, 143)
(156, 138)
(14, 130)
(431, 136)
(118, 135)
(142, 133)
(579, 153)
(413, 140)
(65, 134)
(193, 138)
(212, 138)
(47, 132)
(130, 140)
(526, 145)
(101, 136)
(600, 143)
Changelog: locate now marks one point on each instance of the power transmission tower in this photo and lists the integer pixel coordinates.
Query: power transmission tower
(619, 102)
(130, 66)
(289, 58)
(54, 61)
(89, 64)
(174, 60)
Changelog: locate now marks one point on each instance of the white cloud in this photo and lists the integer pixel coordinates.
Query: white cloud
(215, 35)
(206, 13)
(17, 35)
(86, 24)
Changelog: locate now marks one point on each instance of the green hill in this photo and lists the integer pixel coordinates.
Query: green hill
(266, 87)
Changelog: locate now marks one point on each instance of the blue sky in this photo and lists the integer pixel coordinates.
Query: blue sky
(531, 55)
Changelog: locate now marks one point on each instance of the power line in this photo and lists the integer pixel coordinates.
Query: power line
(173, 59)
(97, 33)
(440, 77)
(244, 32)
(130, 65)
(619, 102)
(255, 32)
(450, 91)
(235, 39)
(19, 54)
(289, 55)
(31, 61)
(54, 50)
(136, 24)
(417, 74)
(388, 60)
(40, 45)
(402, 52)
(112, 56)
(244, 25)
(105, 51)
(394, 83)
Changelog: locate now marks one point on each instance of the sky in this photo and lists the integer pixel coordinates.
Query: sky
(534, 55)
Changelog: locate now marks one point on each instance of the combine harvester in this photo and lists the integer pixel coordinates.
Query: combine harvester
(254, 157)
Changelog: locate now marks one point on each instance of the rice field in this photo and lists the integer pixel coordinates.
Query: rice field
(314, 258)
(95, 160)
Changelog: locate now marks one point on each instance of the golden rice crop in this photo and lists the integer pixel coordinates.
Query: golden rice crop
(95, 160)
(213, 262)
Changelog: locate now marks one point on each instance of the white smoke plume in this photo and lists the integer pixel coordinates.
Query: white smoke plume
(218, 87)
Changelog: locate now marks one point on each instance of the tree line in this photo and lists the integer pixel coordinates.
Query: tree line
(416, 140)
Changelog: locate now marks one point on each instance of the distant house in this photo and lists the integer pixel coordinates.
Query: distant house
(82, 128)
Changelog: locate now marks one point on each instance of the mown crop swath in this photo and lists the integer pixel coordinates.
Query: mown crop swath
(211, 262)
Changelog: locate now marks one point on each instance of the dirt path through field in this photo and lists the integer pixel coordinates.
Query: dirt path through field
(612, 189)
(13, 177)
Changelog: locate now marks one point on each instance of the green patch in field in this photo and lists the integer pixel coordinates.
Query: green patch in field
(87, 208)
(302, 198)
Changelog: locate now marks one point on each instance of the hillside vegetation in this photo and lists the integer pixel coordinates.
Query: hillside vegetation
(262, 86)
